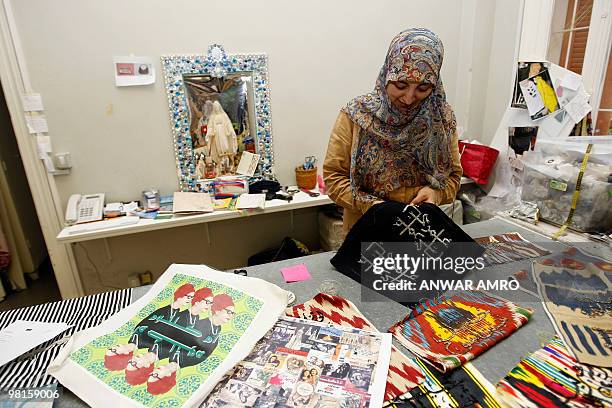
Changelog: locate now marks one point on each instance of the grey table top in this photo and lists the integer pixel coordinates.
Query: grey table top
(383, 313)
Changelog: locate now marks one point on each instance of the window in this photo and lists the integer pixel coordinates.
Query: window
(568, 40)
(576, 29)
(604, 113)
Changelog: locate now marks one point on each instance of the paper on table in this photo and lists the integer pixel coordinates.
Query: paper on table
(21, 336)
(37, 124)
(571, 81)
(32, 102)
(248, 163)
(186, 203)
(133, 71)
(246, 201)
(296, 273)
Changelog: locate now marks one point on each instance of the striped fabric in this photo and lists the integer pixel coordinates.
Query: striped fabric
(29, 370)
(550, 377)
(461, 388)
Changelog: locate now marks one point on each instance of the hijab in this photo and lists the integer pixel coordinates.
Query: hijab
(393, 143)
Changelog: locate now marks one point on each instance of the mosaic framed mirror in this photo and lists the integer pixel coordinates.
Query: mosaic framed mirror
(219, 107)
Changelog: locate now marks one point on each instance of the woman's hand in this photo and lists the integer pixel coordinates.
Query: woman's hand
(425, 195)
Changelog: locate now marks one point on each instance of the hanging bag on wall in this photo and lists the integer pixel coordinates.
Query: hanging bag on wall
(477, 161)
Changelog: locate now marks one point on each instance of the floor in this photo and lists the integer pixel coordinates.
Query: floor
(42, 290)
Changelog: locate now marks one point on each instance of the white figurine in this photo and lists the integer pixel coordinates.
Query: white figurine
(221, 137)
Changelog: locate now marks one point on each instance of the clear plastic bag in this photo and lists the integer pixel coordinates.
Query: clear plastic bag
(550, 176)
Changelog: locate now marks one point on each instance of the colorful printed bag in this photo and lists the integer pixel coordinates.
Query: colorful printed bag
(576, 289)
(455, 329)
(170, 347)
(404, 374)
(550, 377)
(463, 387)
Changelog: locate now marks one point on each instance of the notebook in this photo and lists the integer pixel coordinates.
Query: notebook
(191, 203)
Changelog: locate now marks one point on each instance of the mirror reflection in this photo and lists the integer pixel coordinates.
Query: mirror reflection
(220, 117)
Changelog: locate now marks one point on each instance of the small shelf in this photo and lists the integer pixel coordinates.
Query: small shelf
(300, 200)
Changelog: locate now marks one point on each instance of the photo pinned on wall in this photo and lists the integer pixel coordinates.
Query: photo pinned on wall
(220, 122)
(134, 71)
(539, 95)
(524, 71)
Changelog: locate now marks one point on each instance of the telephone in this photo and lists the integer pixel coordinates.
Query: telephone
(84, 208)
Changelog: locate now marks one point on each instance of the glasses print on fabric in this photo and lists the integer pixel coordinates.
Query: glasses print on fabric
(168, 350)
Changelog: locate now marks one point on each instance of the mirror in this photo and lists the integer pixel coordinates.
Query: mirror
(219, 108)
(220, 111)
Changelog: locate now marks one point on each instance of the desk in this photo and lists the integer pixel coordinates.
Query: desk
(300, 200)
(383, 313)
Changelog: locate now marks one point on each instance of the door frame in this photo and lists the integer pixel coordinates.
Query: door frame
(15, 82)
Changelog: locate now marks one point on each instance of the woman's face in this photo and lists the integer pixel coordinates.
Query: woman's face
(406, 95)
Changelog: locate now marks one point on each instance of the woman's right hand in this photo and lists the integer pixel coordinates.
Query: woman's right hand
(425, 195)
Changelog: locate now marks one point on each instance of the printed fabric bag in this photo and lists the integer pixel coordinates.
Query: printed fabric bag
(170, 347)
(393, 221)
(457, 328)
(551, 377)
(404, 374)
(305, 364)
(477, 161)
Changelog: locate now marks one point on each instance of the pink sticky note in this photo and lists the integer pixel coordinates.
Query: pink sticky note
(296, 273)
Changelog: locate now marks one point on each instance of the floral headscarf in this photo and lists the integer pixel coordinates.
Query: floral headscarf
(392, 143)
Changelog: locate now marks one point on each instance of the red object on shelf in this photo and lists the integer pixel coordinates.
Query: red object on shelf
(477, 161)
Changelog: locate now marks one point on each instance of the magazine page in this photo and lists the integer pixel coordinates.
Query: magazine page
(170, 347)
(303, 364)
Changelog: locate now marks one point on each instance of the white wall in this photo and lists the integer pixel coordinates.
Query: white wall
(321, 54)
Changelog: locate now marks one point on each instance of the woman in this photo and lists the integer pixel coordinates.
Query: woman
(398, 142)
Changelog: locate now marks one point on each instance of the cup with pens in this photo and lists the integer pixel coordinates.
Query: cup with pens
(306, 173)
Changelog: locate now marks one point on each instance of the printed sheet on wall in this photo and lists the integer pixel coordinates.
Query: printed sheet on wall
(173, 345)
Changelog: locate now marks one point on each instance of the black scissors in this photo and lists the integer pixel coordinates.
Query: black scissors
(310, 193)
(242, 272)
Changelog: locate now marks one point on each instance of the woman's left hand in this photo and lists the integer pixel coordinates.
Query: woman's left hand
(425, 195)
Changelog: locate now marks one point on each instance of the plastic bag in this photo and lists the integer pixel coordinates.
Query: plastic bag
(550, 177)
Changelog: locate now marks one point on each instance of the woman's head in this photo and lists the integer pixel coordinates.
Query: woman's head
(412, 69)
(222, 309)
(201, 301)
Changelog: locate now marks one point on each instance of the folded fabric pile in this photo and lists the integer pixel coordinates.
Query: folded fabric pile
(455, 329)
(550, 377)
(404, 374)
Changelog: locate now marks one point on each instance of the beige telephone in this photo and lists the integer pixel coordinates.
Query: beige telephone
(85, 208)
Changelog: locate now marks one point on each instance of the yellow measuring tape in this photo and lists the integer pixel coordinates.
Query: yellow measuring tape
(576, 194)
